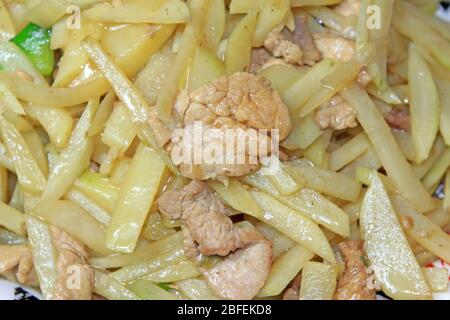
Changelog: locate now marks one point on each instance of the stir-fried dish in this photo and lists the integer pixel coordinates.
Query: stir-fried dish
(217, 149)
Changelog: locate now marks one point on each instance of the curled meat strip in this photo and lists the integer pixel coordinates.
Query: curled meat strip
(209, 231)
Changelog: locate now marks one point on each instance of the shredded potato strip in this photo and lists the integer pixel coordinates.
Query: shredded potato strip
(423, 230)
(29, 174)
(379, 36)
(54, 97)
(112, 289)
(284, 269)
(318, 281)
(387, 247)
(12, 59)
(86, 117)
(44, 255)
(74, 159)
(196, 289)
(137, 192)
(123, 87)
(129, 95)
(189, 42)
(140, 254)
(334, 21)
(424, 104)
(349, 152)
(387, 149)
(75, 221)
(421, 33)
(238, 52)
(12, 219)
(148, 290)
(307, 202)
(133, 272)
(139, 11)
(341, 75)
(7, 29)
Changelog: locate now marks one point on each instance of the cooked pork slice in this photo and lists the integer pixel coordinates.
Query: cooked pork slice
(399, 118)
(295, 47)
(283, 48)
(259, 59)
(334, 47)
(303, 38)
(209, 231)
(75, 277)
(336, 114)
(16, 262)
(353, 284)
(242, 274)
(241, 102)
(204, 216)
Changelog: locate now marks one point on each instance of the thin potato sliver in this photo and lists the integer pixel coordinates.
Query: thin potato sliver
(423, 230)
(298, 228)
(29, 174)
(139, 11)
(380, 227)
(382, 140)
(54, 97)
(136, 195)
(94, 96)
(237, 54)
(75, 221)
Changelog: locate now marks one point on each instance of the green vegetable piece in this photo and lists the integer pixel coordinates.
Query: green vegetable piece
(35, 42)
(148, 290)
(164, 286)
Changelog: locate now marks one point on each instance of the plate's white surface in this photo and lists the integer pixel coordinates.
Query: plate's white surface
(12, 291)
(9, 290)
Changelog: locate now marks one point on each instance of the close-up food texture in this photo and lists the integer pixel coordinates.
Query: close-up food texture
(225, 149)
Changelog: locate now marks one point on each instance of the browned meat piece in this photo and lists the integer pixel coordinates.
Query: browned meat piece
(209, 231)
(205, 217)
(239, 101)
(260, 56)
(261, 59)
(334, 47)
(352, 285)
(62, 241)
(190, 247)
(399, 118)
(17, 259)
(241, 97)
(75, 277)
(25, 272)
(295, 47)
(303, 38)
(293, 290)
(283, 48)
(348, 7)
(336, 114)
(243, 273)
